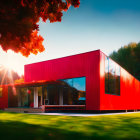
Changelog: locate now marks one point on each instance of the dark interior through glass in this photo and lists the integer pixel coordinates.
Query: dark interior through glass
(20, 97)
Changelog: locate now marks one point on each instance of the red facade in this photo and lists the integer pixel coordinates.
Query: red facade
(92, 66)
(129, 98)
(4, 98)
(81, 65)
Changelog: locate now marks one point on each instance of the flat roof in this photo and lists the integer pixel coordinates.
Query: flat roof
(34, 83)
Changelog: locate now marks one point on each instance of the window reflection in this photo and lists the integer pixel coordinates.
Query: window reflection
(63, 92)
(26, 97)
(66, 92)
(74, 91)
(112, 77)
(117, 80)
(106, 75)
(21, 97)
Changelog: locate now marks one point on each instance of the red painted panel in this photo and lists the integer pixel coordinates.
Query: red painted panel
(4, 98)
(86, 64)
(129, 93)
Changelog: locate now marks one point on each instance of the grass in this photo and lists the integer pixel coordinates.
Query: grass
(42, 127)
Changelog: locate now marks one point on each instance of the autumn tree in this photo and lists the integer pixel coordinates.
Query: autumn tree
(19, 22)
(129, 58)
(19, 80)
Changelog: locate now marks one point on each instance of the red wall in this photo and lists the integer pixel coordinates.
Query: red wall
(129, 91)
(4, 98)
(86, 64)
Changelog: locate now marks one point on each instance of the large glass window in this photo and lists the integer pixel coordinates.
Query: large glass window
(74, 91)
(65, 92)
(62, 92)
(21, 97)
(112, 77)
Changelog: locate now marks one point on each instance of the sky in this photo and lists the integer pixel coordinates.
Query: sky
(97, 24)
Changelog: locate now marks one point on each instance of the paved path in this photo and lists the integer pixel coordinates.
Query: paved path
(83, 114)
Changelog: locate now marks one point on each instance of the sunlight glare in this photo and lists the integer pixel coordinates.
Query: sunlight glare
(12, 61)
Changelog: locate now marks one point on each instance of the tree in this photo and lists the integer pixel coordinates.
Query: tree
(129, 58)
(20, 80)
(19, 22)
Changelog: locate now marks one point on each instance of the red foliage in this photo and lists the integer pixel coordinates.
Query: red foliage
(19, 18)
(33, 46)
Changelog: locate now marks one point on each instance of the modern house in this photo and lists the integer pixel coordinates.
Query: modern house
(87, 81)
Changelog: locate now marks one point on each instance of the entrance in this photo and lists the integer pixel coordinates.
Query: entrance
(64, 92)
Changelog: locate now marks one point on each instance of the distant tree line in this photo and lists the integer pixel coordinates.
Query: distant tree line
(129, 58)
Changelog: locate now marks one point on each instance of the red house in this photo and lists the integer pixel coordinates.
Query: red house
(87, 81)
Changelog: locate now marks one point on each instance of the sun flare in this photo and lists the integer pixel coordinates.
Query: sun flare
(9, 65)
(12, 61)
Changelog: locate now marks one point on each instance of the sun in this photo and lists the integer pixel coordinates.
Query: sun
(9, 65)
(12, 61)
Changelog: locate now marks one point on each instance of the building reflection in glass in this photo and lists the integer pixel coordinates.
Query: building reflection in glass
(63, 92)
(74, 91)
(112, 77)
(66, 92)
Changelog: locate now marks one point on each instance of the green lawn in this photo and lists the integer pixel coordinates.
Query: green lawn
(42, 127)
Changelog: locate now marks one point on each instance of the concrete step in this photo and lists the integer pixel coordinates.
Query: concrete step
(24, 110)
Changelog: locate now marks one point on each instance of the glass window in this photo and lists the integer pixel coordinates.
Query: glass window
(74, 91)
(117, 80)
(69, 81)
(20, 97)
(26, 97)
(112, 77)
(79, 83)
(106, 75)
(51, 94)
(65, 92)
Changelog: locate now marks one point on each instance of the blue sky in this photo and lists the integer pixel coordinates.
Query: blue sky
(96, 24)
